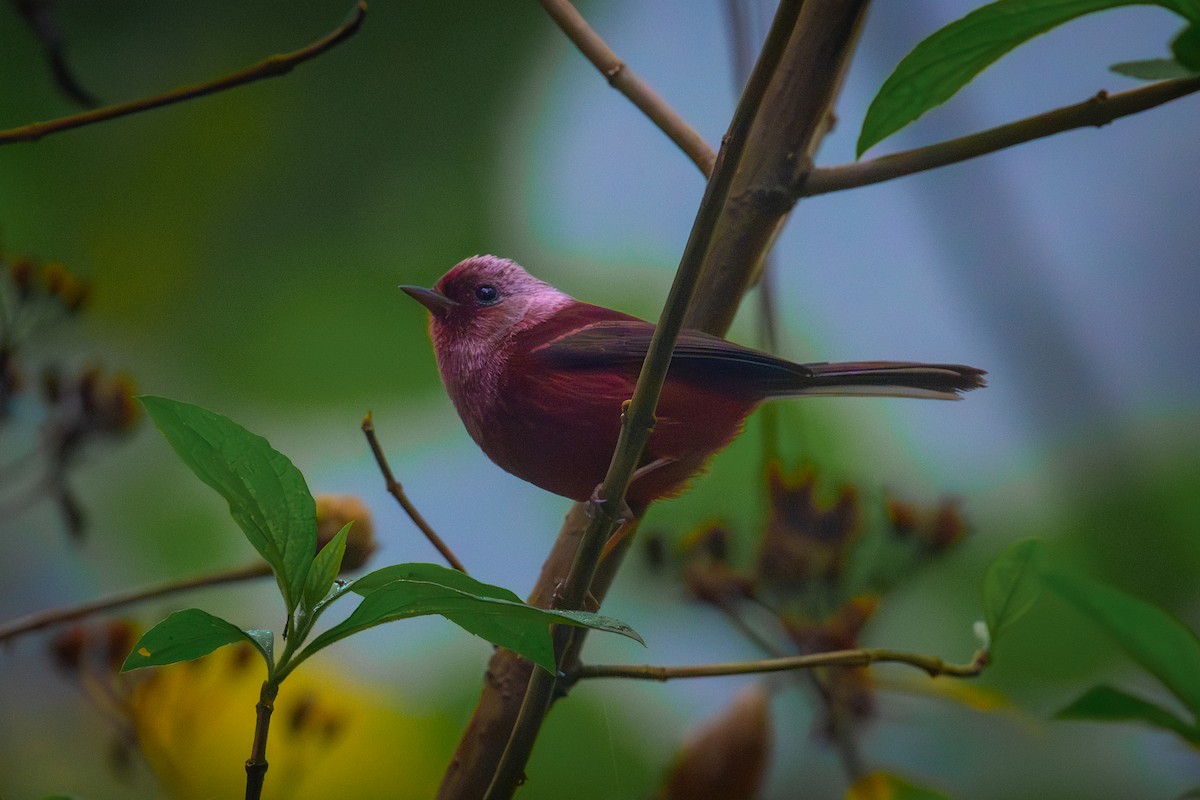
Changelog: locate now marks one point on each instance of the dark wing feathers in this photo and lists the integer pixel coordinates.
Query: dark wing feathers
(697, 356)
(590, 337)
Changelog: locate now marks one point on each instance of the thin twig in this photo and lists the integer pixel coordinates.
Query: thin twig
(397, 491)
(270, 67)
(57, 616)
(932, 665)
(1096, 112)
(625, 81)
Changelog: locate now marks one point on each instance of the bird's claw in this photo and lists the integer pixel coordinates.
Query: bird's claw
(596, 503)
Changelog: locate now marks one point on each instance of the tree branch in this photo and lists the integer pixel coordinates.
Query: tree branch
(56, 616)
(1094, 112)
(637, 418)
(622, 78)
(811, 41)
(397, 491)
(795, 116)
(270, 67)
(932, 665)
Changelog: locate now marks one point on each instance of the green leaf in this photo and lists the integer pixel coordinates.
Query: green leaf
(946, 61)
(1152, 637)
(1108, 704)
(267, 495)
(265, 641)
(490, 612)
(1154, 69)
(1186, 47)
(324, 569)
(189, 634)
(1011, 584)
(433, 573)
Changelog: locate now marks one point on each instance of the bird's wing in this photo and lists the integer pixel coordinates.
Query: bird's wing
(589, 337)
(700, 356)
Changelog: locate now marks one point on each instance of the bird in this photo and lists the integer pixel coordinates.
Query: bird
(539, 378)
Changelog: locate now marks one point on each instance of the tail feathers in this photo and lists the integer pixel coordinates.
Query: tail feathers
(890, 379)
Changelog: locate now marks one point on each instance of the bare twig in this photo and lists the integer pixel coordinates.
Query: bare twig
(625, 81)
(397, 491)
(270, 67)
(57, 616)
(932, 665)
(1094, 112)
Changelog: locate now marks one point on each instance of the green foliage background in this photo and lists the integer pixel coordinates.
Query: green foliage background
(244, 250)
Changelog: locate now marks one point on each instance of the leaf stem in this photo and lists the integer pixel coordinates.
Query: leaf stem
(1096, 111)
(56, 616)
(397, 491)
(270, 67)
(622, 78)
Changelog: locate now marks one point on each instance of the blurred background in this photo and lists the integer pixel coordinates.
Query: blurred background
(243, 251)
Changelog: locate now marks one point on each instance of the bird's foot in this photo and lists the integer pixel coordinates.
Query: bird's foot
(595, 504)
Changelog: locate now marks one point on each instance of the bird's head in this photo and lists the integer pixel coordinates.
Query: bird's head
(483, 300)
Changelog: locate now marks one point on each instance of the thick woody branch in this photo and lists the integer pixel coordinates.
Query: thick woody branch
(794, 118)
(932, 665)
(622, 78)
(830, 26)
(269, 67)
(1094, 112)
(637, 419)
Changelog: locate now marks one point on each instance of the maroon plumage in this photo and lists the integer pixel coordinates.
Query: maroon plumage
(539, 378)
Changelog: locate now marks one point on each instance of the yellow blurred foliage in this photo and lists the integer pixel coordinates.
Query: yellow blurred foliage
(328, 737)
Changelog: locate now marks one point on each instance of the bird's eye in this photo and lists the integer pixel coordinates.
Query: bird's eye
(487, 294)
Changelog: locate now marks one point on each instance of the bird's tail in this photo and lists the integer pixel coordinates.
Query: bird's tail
(889, 379)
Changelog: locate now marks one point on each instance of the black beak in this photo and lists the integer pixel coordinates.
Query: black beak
(437, 303)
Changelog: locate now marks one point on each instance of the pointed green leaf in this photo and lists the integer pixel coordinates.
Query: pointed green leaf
(324, 569)
(946, 61)
(1154, 69)
(1108, 704)
(1011, 584)
(267, 495)
(489, 612)
(1152, 637)
(1186, 47)
(433, 573)
(186, 635)
(265, 641)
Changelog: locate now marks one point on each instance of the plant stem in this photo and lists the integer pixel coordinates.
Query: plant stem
(1096, 111)
(270, 67)
(56, 616)
(397, 491)
(932, 665)
(256, 765)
